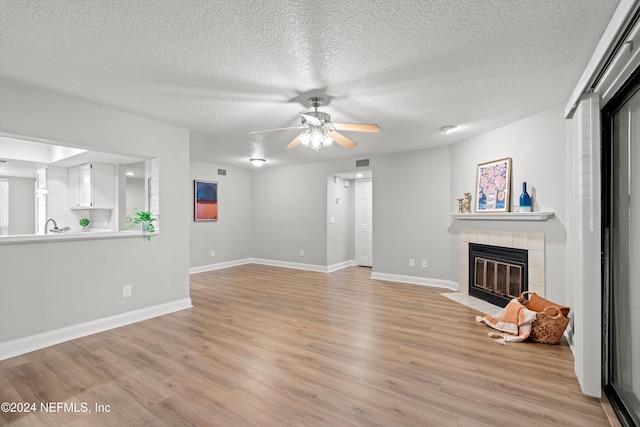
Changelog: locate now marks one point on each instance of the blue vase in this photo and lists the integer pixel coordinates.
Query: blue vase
(525, 199)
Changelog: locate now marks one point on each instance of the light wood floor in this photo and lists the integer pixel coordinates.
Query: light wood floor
(267, 346)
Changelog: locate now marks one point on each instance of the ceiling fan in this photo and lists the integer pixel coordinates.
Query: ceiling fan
(319, 131)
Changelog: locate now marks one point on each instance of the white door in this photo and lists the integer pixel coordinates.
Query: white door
(364, 223)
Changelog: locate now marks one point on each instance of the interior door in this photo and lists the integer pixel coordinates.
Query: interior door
(364, 222)
(621, 220)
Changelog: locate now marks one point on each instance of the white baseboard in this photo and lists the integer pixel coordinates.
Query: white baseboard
(35, 342)
(438, 283)
(568, 334)
(294, 265)
(218, 266)
(307, 267)
(340, 266)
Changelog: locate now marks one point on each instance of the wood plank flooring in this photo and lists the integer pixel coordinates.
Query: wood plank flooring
(268, 346)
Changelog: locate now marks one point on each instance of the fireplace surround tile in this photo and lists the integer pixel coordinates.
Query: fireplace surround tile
(506, 239)
(520, 240)
(536, 259)
(535, 242)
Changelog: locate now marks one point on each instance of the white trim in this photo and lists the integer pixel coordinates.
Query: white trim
(35, 342)
(568, 334)
(341, 265)
(505, 216)
(621, 67)
(294, 265)
(218, 266)
(425, 281)
(602, 51)
(438, 283)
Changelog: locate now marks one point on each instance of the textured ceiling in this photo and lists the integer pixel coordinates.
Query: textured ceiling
(226, 67)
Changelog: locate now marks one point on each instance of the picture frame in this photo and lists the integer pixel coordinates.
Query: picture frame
(493, 186)
(205, 200)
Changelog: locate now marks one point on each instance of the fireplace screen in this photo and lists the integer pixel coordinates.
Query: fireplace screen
(497, 274)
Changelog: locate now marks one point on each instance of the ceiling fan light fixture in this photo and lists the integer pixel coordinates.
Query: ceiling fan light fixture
(319, 132)
(316, 138)
(257, 162)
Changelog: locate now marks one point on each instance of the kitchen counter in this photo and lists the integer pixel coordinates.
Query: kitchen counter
(61, 237)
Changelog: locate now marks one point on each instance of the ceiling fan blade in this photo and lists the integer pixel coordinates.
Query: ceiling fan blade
(277, 129)
(342, 140)
(272, 130)
(295, 142)
(357, 127)
(312, 120)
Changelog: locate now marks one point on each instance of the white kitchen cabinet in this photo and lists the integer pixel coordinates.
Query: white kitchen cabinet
(92, 186)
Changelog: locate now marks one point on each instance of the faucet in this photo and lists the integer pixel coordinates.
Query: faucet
(55, 226)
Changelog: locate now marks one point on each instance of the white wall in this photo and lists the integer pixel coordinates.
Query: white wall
(291, 212)
(536, 145)
(22, 205)
(230, 236)
(411, 198)
(46, 286)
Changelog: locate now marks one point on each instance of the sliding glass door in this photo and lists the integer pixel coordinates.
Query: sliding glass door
(621, 237)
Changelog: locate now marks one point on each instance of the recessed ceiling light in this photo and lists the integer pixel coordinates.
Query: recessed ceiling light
(448, 128)
(130, 174)
(359, 175)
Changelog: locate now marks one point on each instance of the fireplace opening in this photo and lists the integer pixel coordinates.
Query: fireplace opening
(497, 274)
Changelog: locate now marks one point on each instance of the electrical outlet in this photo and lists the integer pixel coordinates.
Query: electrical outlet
(412, 262)
(424, 263)
(301, 252)
(213, 252)
(126, 291)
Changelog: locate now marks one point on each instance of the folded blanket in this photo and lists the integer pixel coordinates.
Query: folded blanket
(514, 321)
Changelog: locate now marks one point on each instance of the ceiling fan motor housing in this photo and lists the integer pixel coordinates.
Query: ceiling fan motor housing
(323, 117)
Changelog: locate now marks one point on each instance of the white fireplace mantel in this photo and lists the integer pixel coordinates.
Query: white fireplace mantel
(504, 216)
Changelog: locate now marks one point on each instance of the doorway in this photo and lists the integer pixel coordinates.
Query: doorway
(621, 250)
(364, 222)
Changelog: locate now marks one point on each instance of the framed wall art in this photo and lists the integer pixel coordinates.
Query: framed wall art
(493, 186)
(205, 200)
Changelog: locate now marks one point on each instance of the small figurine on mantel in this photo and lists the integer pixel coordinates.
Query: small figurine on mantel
(467, 202)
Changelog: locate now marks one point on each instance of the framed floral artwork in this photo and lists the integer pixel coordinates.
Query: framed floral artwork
(493, 186)
(206, 200)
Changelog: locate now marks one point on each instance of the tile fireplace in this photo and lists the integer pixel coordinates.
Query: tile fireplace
(497, 274)
(532, 243)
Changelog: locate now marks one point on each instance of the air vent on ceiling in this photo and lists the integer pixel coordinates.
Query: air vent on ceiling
(362, 163)
(222, 171)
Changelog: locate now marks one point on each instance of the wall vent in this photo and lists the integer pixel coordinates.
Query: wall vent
(222, 172)
(362, 163)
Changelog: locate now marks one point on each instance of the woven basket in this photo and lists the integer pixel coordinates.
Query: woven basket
(548, 329)
(550, 323)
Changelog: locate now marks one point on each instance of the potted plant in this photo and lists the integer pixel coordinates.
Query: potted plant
(84, 223)
(144, 219)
